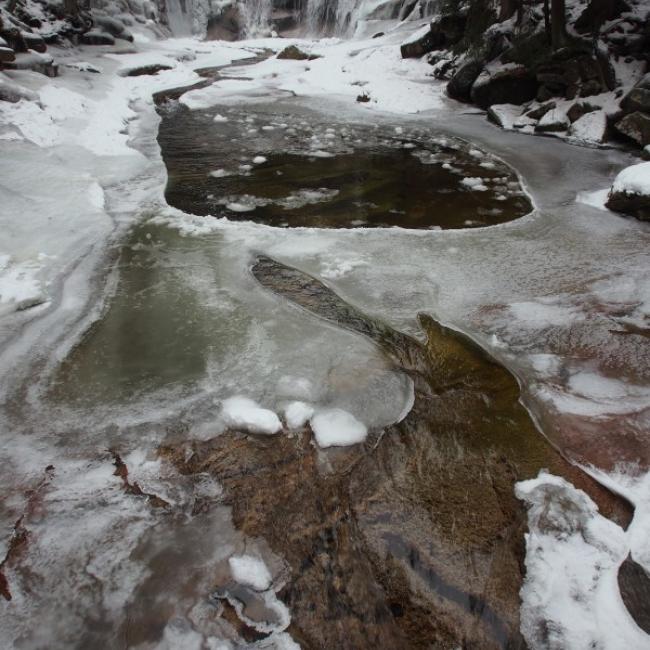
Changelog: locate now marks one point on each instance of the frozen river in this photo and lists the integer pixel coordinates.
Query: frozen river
(253, 409)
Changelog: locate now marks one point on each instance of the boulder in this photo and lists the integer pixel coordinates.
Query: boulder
(42, 63)
(460, 85)
(553, 121)
(293, 53)
(638, 99)
(11, 92)
(597, 13)
(630, 192)
(6, 54)
(539, 112)
(577, 110)
(225, 26)
(151, 69)
(591, 127)
(34, 42)
(504, 115)
(510, 84)
(635, 126)
(418, 44)
(443, 32)
(96, 37)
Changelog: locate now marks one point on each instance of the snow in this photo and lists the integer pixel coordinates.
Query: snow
(243, 413)
(394, 84)
(297, 414)
(570, 596)
(595, 199)
(337, 428)
(634, 180)
(417, 35)
(250, 571)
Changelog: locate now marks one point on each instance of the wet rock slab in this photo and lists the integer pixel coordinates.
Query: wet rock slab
(414, 538)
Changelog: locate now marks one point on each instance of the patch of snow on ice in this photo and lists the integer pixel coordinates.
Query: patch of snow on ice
(297, 414)
(250, 571)
(244, 413)
(337, 428)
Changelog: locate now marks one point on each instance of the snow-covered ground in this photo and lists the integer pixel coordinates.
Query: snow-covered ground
(544, 294)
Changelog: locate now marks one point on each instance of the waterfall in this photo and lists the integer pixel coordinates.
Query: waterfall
(336, 17)
(256, 16)
(179, 17)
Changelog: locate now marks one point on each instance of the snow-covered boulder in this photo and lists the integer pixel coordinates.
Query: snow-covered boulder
(591, 127)
(553, 121)
(630, 192)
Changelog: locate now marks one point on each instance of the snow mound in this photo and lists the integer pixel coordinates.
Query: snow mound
(337, 428)
(250, 571)
(570, 596)
(633, 180)
(297, 414)
(244, 413)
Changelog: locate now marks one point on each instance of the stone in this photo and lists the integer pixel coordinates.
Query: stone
(553, 121)
(7, 54)
(636, 205)
(34, 42)
(416, 47)
(591, 127)
(225, 26)
(11, 92)
(460, 85)
(590, 88)
(96, 37)
(638, 99)
(512, 84)
(152, 69)
(635, 126)
(504, 115)
(293, 53)
(539, 112)
(577, 110)
(445, 31)
(42, 63)
(595, 14)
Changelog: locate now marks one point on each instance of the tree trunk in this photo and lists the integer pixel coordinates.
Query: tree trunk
(558, 24)
(508, 8)
(547, 20)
